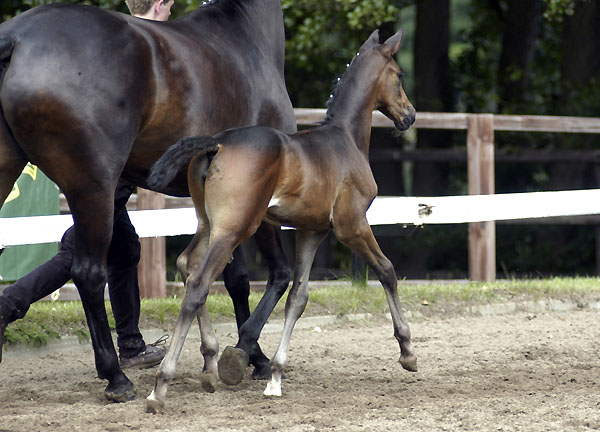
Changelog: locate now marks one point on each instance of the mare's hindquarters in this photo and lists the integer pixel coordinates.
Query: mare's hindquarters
(64, 111)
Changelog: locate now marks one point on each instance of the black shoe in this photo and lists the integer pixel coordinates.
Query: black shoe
(151, 356)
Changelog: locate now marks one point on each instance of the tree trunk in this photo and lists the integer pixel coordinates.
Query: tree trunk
(581, 57)
(432, 88)
(432, 93)
(521, 31)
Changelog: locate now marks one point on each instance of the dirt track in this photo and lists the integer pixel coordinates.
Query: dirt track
(520, 372)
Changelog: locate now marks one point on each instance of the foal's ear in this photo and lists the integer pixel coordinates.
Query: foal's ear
(371, 41)
(394, 43)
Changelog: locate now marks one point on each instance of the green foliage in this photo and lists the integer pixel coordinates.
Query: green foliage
(322, 37)
(556, 10)
(481, 46)
(31, 332)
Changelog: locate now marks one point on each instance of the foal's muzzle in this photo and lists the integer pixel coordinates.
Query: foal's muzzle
(406, 121)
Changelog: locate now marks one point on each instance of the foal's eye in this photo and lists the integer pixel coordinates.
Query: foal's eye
(400, 75)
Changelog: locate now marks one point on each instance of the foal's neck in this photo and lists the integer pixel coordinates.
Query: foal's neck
(351, 107)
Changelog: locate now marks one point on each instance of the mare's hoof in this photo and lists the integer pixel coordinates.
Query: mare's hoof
(125, 393)
(409, 363)
(209, 382)
(232, 365)
(153, 405)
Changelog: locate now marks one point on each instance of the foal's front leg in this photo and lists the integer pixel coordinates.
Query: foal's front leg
(358, 236)
(307, 243)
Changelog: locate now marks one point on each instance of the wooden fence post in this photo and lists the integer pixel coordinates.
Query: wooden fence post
(153, 262)
(480, 157)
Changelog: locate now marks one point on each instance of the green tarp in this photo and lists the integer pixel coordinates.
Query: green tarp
(33, 194)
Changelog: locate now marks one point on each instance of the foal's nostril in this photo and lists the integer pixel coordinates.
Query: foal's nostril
(407, 121)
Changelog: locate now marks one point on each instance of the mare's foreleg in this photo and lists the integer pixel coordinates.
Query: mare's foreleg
(233, 361)
(358, 236)
(307, 243)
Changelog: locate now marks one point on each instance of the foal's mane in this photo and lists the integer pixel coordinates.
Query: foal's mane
(337, 83)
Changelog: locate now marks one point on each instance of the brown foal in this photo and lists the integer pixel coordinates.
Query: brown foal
(314, 180)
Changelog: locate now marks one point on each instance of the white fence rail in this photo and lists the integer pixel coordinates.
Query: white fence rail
(480, 208)
(383, 211)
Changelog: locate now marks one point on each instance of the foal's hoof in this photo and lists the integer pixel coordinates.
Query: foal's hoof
(409, 363)
(232, 365)
(124, 393)
(209, 382)
(273, 389)
(262, 371)
(153, 405)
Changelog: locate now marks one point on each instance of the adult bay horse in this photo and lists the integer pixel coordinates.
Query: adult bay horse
(315, 180)
(90, 95)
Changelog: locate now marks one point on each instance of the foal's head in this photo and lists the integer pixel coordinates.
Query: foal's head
(390, 98)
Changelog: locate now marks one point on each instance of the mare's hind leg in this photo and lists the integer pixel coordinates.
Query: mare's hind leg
(12, 161)
(11, 165)
(307, 243)
(233, 361)
(8, 175)
(93, 214)
(358, 236)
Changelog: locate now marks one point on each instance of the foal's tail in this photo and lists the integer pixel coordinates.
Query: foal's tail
(166, 168)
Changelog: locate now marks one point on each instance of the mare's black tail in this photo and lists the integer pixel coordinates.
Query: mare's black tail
(166, 168)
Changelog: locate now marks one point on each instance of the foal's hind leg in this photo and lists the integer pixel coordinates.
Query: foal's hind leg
(233, 361)
(307, 243)
(188, 261)
(197, 287)
(358, 236)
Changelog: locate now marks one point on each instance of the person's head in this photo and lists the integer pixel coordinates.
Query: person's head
(157, 10)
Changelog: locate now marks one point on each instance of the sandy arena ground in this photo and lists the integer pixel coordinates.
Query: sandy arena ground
(515, 372)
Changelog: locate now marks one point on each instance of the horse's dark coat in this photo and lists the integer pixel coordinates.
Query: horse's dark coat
(90, 95)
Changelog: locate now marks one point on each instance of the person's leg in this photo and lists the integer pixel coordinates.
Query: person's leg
(123, 258)
(37, 284)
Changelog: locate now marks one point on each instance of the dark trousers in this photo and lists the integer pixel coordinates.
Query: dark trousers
(122, 260)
